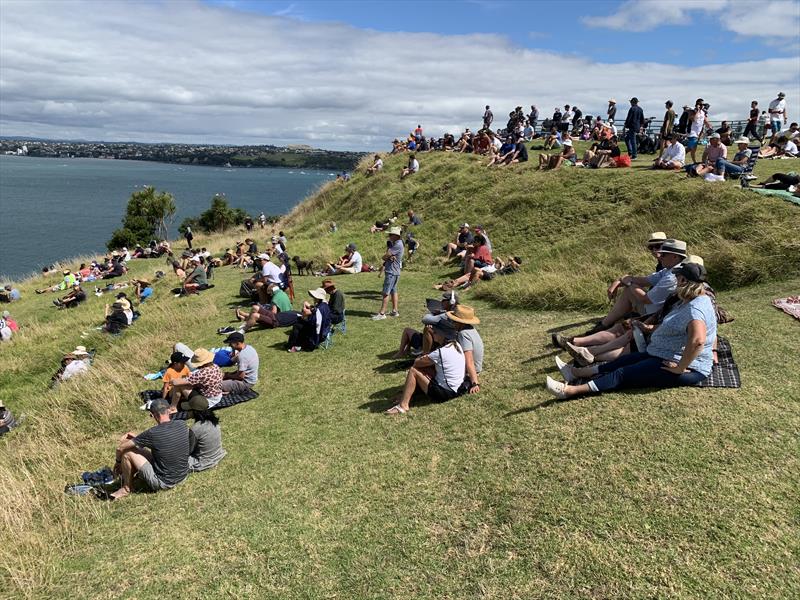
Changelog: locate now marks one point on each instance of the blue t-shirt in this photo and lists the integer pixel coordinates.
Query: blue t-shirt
(146, 293)
(396, 249)
(669, 340)
(663, 284)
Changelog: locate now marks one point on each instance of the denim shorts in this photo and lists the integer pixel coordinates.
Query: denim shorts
(390, 283)
(691, 143)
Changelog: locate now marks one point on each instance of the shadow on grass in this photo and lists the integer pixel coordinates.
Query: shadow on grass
(547, 354)
(360, 313)
(393, 367)
(561, 328)
(383, 400)
(527, 409)
(365, 294)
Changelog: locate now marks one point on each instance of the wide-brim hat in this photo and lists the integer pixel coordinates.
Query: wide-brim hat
(673, 247)
(66, 272)
(202, 357)
(743, 140)
(691, 271)
(693, 258)
(124, 303)
(144, 281)
(327, 283)
(463, 314)
(317, 293)
(612, 101)
(395, 231)
(657, 238)
(80, 351)
(263, 256)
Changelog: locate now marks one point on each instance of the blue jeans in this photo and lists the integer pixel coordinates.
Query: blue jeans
(776, 127)
(723, 166)
(390, 283)
(639, 370)
(630, 142)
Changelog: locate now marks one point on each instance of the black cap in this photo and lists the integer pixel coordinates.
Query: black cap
(691, 271)
(178, 357)
(234, 338)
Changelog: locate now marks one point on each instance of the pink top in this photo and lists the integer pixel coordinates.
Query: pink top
(712, 154)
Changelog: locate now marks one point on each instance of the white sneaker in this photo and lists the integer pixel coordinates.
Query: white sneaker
(556, 388)
(581, 354)
(394, 313)
(566, 370)
(378, 317)
(750, 177)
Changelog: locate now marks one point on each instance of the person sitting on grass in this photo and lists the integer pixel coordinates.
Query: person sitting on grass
(350, 263)
(421, 342)
(197, 279)
(115, 318)
(601, 155)
(644, 295)
(66, 284)
(548, 162)
(713, 152)
(553, 139)
(73, 364)
(673, 156)
(412, 167)
(156, 459)
(335, 301)
(143, 289)
(246, 360)
(377, 165)
(275, 313)
(740, 160)
(504, 154)
(270, 274)
(385, 224)
(464, 319)
(73, 298)
(459, 245)
(177, 369)
(205, 380)
(781, 147)
(679, 353)
(312, 326)
(205, 450)
(438, 375)
(9, 293)
(10, 322)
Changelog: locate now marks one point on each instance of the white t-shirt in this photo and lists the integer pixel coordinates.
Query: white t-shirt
(357, 261)
(271, 272)
(777, 106)
(496, 143)
(790, 148)
(74, 368)
(566, 116)
(674, 153)
(414, 166)
(450, 366)
(378, 164)
(697, 124)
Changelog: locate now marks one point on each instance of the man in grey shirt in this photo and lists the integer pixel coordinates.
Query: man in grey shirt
(246, 358)
(392, 265)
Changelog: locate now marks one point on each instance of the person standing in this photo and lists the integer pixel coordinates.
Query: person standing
(262, 220)
(533, 118)
(189, 236)
(633, 123)
(777, 114)
(612, 110)
(488, 117)
(752, 122)
(392, 265)
(666, 126)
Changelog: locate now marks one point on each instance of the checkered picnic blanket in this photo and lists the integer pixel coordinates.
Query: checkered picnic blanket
(790, 305)
(725, 373)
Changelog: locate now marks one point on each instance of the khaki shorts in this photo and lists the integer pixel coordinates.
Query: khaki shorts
(146, 480)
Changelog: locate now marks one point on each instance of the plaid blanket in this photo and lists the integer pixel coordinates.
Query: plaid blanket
(790, 305)
(725, 373)
(227, 401)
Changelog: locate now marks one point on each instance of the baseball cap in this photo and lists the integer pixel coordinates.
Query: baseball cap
(691, 271)
(235, 338)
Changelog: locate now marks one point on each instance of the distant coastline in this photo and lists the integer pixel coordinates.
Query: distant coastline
(216, 155)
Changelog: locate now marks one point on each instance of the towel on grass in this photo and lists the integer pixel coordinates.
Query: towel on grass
(725, 373)
(786, 195)
(790, 305)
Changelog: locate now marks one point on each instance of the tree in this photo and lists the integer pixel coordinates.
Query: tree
(149, 214)
(220, 216)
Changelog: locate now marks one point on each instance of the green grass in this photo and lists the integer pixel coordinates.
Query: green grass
(678, 493)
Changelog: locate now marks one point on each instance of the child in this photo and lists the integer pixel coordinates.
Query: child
(177, 369)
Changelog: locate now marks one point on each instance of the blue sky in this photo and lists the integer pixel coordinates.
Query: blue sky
(563, 27)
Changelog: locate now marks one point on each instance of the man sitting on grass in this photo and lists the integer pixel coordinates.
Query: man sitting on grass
(197, 279)
(644, 294)
(276, 313)
(156, 459)
(673, 155)
(246, 359)
(377, 165)
(458, 246)
(73, 298)
(421, 342)
(335, 301)
(740, 159)
(411, 168)
(350, 263)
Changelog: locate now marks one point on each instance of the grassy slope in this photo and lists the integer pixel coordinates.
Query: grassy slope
(683, 493)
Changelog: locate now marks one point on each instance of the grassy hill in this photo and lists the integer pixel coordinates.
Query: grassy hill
(680, 493)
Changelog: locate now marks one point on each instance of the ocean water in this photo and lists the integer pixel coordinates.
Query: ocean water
(52, 208)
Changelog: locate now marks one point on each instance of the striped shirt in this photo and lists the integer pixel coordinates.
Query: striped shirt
(169, 443)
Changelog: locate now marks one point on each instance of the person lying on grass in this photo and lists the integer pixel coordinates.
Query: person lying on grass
(385, 224)
(72, 299)
(680, 351)
(644, 294)
(782, 147)
(66, 284)
(438, 375)
(421, 342)
(156, 459)
(548, 162)
(205, 380)
(74, 363)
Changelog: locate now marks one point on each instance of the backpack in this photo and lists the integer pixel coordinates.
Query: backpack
(247, 290)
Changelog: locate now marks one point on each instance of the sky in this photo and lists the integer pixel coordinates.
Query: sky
(355, 75)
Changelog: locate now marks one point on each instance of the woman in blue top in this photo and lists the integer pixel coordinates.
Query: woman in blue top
(680, 351)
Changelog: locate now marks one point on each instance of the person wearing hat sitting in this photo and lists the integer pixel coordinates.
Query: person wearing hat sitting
(421, 342)
(350, 263)
(197, 279)
(412, 167)
(143, 289)
(392, 266)
(673, 156)
(115, 318)
(713, 152)
(205, 380)
(246, 360)
(116, 268)
(156, 459)
(548, 162)
(464, 319)
(680, 350)
(740, 159)
(335, 301)
(74, 363)
(438, 375)
(644, 294)
(73, 298)
(312, 325)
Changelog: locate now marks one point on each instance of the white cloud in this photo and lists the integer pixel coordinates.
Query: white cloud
(771, 18)
(184, 71)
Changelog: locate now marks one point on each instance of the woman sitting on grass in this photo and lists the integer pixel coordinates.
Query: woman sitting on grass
(438, 375)
(206, 449)
(548, 162)
(680, 351)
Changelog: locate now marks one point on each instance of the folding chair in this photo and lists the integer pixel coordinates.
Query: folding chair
(744, 179)
(341, 327)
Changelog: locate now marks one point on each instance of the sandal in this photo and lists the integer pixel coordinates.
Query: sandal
(396, 410)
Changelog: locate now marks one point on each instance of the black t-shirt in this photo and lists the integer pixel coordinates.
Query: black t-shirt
(116, 322)
(169, 443)
(522, 152)
(465, 238)
(754, 115)
(615, 152)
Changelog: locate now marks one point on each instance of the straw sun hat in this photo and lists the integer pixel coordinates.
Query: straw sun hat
(463, 314)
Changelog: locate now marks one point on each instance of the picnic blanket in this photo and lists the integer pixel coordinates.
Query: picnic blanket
(725, 373)
(227, 401)
(790, 305)
(779, 193)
